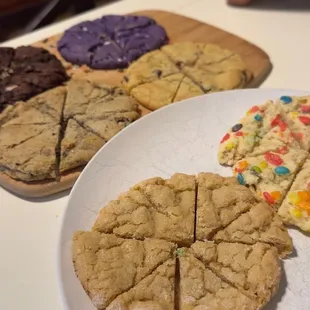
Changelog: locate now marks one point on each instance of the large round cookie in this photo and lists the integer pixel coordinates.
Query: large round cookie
(61, 129)
(112, 41)
(27, 71)
(228, 247)
(183, 70)
(269, 151)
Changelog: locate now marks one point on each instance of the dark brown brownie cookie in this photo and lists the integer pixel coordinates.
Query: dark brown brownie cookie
(27, 71)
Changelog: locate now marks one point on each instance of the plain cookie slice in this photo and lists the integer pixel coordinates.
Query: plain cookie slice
(23, 113)
(50, 102)
(80, 93)
(13, 135)
(34, 159)
(155, 292)
(148, 68)
(154, 208)
(255, 270)
(295, 209)
(110, 114)
(201, 289)
(183, 53)
(296, 113)
(219, 202)
(260, 224)
(269, 176)
(108, 266)
(159, 93)
(78, 146)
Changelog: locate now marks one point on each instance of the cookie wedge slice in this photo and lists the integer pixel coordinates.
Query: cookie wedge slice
(23, 113)
(34, 159)
(295, 209)
(219, 202)
(254, 270)
(154, 208)
(13, 135)
(148, 68)
(244, 136)
(109, 115)
(156, 291)
(296, 113)
(159, 93)
(201, 288)
(78, 146)
(108, 266)
(80, 93)
(183, 53)
(50, 102)
(269, 176)
(260, 224)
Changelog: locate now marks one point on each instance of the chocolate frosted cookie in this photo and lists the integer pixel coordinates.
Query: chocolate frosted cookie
(112, 41)
(27, 71)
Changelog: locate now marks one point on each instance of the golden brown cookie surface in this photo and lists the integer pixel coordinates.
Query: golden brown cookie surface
(183, 70)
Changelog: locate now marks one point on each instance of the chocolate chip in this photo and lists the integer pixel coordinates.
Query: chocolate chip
(126, 79)
(45, 41)
(158, 73)
(236, 128)
(179, 64)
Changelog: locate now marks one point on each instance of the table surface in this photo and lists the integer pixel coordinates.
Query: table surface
(29, 229)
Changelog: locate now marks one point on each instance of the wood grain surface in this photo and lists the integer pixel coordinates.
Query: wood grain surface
(179, 28)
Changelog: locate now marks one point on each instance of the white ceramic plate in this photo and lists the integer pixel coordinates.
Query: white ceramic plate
(183, 137)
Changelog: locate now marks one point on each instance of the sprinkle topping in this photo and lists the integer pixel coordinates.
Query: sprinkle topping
(305, 108)
(240, 179)
(253, 109)
(243, 165)
(263, 165)
(268, 198)
(283, 150)
(256, 169)
(281, 170)
(226, 137)
(305, 120)
(257, 117)
(286, 99)
(273, 159)
(236, 128)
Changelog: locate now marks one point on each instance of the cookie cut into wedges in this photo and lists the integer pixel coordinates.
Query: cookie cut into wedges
(255, 269)
(219, 202)
(108, 266)
(295, 209)
(154, 208)
(200, 288)
(270, 175)
(156, 291)
(260, 224)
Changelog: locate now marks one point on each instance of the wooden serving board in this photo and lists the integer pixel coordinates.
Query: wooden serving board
(179, 28)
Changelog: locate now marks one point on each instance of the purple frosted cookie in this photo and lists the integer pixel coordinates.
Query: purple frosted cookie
(112, 41)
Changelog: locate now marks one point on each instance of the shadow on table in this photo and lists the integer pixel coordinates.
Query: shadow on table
(281, 5)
